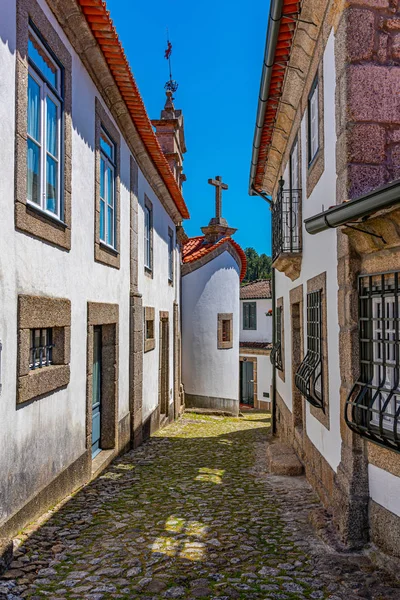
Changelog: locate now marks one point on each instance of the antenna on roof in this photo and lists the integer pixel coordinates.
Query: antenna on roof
(171, 85)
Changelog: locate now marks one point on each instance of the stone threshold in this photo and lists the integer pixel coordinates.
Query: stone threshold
(101, 461)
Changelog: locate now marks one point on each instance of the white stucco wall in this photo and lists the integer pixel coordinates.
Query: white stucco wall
(384, 488)
(319, 255)
(263, 333)
(211, 289)
(41, 438)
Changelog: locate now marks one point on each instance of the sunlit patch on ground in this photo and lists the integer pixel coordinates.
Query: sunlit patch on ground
(210, 475)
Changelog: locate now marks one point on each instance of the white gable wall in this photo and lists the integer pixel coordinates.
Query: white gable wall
(263, 333)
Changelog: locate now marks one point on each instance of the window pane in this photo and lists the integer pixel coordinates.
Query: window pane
(102, 211)
(33, 171)
(39, 56)
(102, 178)
(110, 186)
(33, 109)
(51, 184)
(106, 146)
(110, 226)
(51, 127)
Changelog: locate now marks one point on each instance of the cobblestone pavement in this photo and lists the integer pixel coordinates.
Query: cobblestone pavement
(191, 514)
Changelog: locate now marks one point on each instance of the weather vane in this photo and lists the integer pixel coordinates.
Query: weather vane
(171, 85)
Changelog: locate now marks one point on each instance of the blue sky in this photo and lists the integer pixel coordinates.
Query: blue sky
(217, 57)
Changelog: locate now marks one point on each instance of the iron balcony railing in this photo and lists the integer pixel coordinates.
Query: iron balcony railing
(286, 222)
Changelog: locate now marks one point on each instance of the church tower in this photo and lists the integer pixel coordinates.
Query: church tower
(171, 136)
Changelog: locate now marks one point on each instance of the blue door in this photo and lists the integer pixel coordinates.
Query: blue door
(96, 398)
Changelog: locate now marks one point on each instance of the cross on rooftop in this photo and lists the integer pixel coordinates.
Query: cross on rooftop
(219, 186)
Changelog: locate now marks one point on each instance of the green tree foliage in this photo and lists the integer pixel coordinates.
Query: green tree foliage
(258, 265)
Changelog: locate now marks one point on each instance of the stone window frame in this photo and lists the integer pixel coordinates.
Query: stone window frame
(107, 316)
(315, 284)
(28, 218)
(42, 312)
(102, 252)
(149, 205)
(280, 305)
(149, 315)
(220, 343)
(316, 166)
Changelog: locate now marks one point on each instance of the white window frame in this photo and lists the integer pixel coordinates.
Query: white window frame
(170, 255)
(313, 121)
(46, 91)
(148, 225)
(384, 364)
(109, 164)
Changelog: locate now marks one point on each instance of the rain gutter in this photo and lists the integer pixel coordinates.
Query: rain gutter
(352, 211)
(275, 16)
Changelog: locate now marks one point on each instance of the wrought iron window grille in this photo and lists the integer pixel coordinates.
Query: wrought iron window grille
(286, 222)
(41, 348)
(309, 377)
(373, 406)
(276, 352)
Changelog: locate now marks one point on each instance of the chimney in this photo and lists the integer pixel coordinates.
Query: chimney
(171, 137)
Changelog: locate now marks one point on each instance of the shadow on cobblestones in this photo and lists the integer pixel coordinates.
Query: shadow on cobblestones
(190, 514)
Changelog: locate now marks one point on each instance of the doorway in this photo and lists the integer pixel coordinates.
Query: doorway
(164, 366)
(247, 383)
(96, 390)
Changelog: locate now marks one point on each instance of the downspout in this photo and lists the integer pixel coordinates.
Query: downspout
(273, 398)
(275, 16)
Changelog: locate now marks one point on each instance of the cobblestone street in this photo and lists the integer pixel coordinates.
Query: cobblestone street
(190, 514)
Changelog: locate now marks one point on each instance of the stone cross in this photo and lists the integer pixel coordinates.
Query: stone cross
(217, 182)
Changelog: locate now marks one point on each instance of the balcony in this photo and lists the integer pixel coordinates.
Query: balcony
(286, 232)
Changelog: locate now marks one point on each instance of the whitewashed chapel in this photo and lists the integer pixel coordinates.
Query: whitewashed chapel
(91, 208)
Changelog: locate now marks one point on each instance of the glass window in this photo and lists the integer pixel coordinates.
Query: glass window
(313, 118)
(170, 255)
(43, 129)
(107, 191)
(41, 348)
(148, 224)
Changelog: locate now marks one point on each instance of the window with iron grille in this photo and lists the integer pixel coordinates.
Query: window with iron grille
(373, 406)
(250, 315)
(41, 348)
(286, 220)
(276, 352)
(308, 378)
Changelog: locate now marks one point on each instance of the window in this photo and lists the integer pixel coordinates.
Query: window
(170, 255)
(41, 348)
(225, 331)
(107, 190)
(249, 315)
(149, 333)
(308, 378)
(148, 235)
(373, 406)
(294, 167)
(313, 125)
(276, 352)
(286, 221)
(44, 118)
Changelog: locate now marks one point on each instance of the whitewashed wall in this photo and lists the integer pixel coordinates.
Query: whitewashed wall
(40, 439)
(263, 333)
(319, 255)
(157, 292)
(211, 289)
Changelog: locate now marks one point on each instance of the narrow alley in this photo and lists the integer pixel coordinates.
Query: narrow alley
(187, 515)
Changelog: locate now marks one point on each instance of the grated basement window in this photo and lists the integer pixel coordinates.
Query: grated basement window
(276, 352)
(308, 378)
(373, 406)
(41, 349)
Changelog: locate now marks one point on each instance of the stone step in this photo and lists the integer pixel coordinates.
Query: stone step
(282, 460)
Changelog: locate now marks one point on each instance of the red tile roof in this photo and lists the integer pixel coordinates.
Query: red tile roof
(256, 289)
(98, 18)
(290, 10)
(197, 247)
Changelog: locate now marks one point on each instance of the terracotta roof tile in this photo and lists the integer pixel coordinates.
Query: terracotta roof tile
(256, 289)
(197, 247)
(101, 25)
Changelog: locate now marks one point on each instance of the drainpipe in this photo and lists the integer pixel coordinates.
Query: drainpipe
(273, 399)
